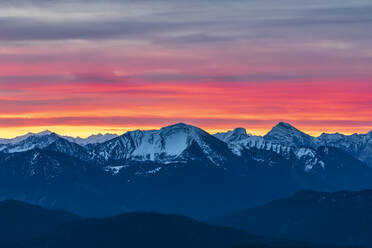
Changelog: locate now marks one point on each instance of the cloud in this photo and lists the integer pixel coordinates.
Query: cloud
(148, 78)
(162, 121)
(331, 45)
(214, 62)
(162, 21)
(29, 30)
(264, 77)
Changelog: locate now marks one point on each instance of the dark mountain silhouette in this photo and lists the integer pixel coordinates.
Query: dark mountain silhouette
(338, 218)
(28, 226)
(21, 222)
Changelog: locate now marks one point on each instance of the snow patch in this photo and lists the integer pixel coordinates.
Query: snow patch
(154, 170)
(114, 169)
(305, 152)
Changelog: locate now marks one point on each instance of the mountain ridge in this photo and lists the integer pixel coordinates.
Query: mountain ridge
(341, 217)
(25, 226)
(282, 138)
(113, 135)
(178, 169)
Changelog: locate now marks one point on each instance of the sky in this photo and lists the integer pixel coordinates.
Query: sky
(83, 67)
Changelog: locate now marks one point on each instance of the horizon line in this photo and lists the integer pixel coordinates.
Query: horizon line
(177, 123)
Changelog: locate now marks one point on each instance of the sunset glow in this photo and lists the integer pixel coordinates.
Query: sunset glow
(71, 70)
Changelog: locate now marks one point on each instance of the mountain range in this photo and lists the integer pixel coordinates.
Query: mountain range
(93, 139)
(179, 169)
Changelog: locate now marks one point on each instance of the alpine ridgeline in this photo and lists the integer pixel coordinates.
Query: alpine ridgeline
(179, 169)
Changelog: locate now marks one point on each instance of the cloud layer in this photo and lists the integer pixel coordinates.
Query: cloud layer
(118, 64)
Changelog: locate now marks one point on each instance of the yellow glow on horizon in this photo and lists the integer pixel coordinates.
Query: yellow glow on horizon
(73, 131)
(85, 131)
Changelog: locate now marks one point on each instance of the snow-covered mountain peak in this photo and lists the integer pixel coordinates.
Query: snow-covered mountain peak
(168, 141)
(24, 137)
(93, 139)
(166, 144)
(182, 127)
(46, 132)
(285, 125)
(240, 130)
(233, 135)
(31, 141)
(178, 125)
(333, 137)
(286, 134)
(358, 145)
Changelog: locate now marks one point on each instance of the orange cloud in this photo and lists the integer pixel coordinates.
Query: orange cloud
(121, 87)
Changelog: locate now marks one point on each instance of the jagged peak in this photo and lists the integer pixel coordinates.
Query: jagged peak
(180, 125)
(235, 135)
(284, 125)
(102, 134)
(235, 131)
(92, 139)
(192, 132)
(45, 132)
(240, 130)
(30, 135)
(286, 134)
(337, 134)
(42, 133)
(170, 142)
(190, 129)
(285, 128)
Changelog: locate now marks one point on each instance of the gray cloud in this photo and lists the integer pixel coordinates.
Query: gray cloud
(289, 32)
(221, 79)
(178, 21)
(28, 30)
(148, 78)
